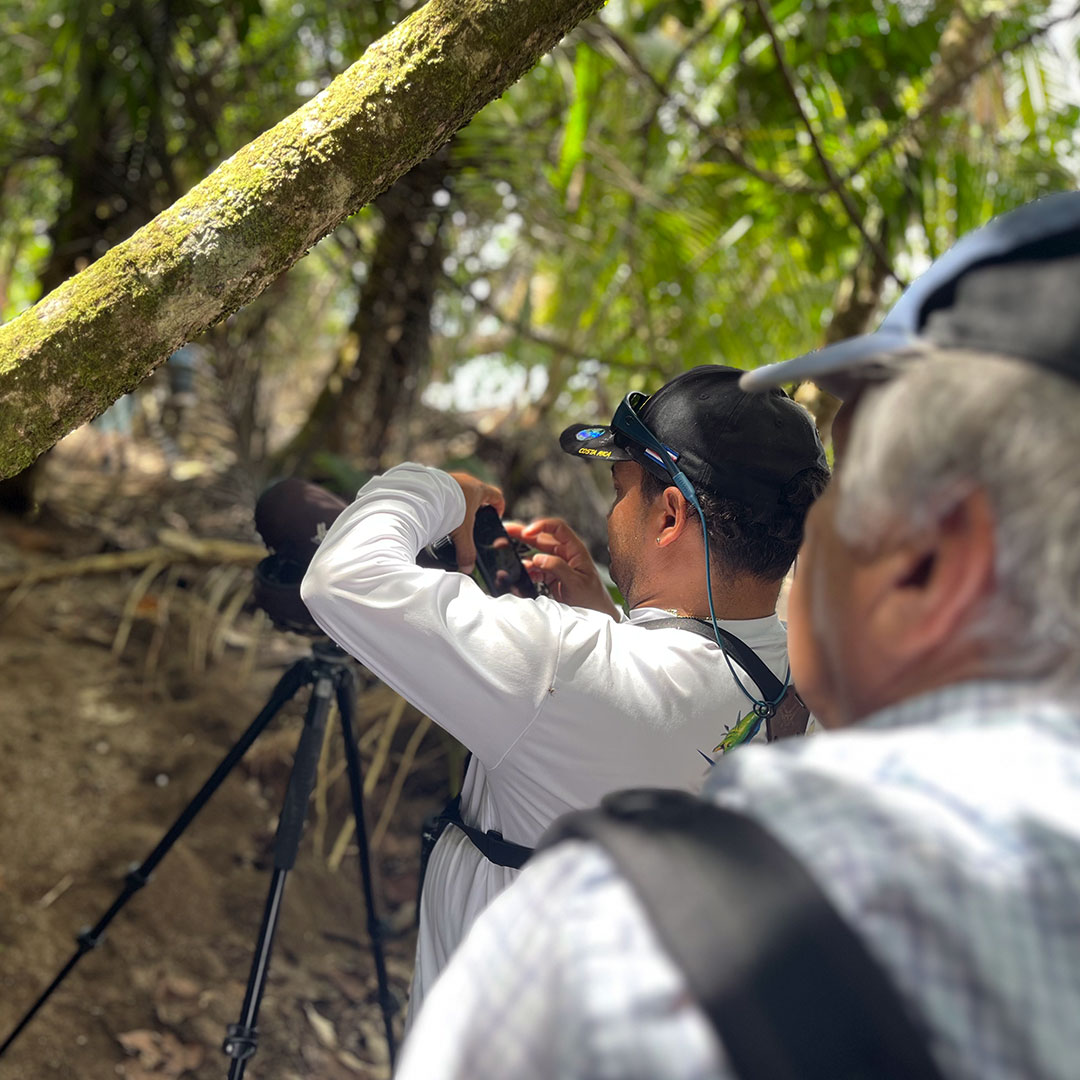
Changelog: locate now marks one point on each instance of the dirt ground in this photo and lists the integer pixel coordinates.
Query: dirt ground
(102, 742)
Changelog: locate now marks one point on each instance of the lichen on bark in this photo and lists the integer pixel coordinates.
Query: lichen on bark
(100, 333)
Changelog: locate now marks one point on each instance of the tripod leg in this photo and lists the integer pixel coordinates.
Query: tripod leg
(241, 1042)
(376, 928)
(89, 939)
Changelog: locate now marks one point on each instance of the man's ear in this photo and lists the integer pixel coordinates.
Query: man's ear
(930, 589)
(674, 515)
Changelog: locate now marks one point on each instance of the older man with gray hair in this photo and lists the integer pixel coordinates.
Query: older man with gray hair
(935, 624)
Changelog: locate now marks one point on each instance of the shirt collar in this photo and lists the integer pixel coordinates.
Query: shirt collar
(650, 614)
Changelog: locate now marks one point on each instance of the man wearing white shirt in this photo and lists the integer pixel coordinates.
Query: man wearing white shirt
(563, 699)
(935, 623)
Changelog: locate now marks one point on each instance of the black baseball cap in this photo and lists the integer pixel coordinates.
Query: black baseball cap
(736, 445)
(1011, 288)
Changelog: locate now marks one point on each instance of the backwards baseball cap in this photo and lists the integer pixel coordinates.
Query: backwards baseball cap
(1011, 288)
(736, 445)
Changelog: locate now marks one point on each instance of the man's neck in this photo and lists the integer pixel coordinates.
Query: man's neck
(743, 597)
(962, 662)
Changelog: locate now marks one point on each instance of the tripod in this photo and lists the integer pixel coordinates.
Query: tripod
(329, 673)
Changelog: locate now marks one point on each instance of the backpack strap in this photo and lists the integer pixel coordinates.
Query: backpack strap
(789, 987)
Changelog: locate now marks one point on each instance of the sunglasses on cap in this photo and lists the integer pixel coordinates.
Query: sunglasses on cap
(627, 422)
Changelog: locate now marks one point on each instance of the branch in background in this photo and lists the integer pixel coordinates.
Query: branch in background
(731, 149)
(695, 39)
(663, 85)
(715, 138)
(946, 95)
(617, 173)
(835, 183)
(172, 547)
(600, 29)
(104, 330)
(516, 329)
(563, 350)
(854, 305)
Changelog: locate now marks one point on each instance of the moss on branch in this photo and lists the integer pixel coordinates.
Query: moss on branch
(103, 331)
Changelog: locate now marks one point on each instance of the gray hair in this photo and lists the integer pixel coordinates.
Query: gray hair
(953, 421)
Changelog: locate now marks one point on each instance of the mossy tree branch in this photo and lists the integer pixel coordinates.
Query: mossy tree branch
(100, 333)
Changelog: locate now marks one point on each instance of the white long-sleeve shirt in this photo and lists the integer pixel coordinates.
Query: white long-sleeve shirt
(559, 705)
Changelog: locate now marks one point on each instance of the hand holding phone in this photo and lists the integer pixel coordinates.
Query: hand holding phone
(562, 563)
(477, 494)
(497, 559)
(482, 542)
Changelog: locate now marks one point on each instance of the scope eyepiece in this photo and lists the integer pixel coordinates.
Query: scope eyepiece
(277, 592)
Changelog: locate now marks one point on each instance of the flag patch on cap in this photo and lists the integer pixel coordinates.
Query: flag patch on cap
(657, 458)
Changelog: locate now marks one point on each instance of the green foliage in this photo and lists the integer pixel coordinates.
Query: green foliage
(129, 103)
(572, 152)
(339, 475)
(646, 199)
(687, 218)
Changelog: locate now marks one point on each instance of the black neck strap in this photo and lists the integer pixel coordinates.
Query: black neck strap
(769, 686)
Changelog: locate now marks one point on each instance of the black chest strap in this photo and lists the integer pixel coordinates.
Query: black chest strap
(788, 715)
(788, 986)
(490, 844)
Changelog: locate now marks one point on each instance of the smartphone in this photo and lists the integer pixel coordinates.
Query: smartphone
(497, 558)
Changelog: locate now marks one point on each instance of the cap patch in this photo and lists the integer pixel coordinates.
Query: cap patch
(590, 433)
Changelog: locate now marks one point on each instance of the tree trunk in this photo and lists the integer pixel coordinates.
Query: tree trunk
(100, 333)
(18, 493)
(102, 200)
(388, 346)
(856, 303)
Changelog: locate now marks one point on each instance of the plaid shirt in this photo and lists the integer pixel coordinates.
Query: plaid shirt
(946, 830)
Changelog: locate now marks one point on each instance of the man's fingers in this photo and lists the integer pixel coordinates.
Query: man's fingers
(477, 494)
(556, 534)
(492, 496)
(552, 567)
(545, 542)
(543, 577)
(553, 525)
(464, 545)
